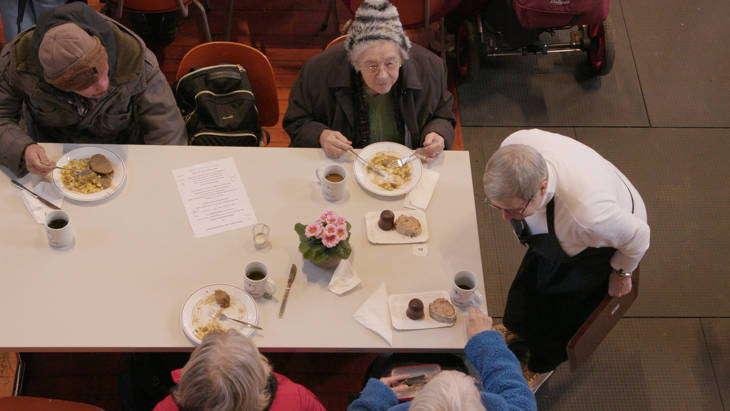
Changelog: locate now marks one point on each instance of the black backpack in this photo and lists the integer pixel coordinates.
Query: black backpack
(219, 107)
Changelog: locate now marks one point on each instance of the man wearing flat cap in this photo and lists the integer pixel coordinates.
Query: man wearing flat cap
(375, 86)
(79, 77)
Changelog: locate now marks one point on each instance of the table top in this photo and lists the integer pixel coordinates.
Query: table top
(136, 261)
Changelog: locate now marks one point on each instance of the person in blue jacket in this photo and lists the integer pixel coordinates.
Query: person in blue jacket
(499, 370)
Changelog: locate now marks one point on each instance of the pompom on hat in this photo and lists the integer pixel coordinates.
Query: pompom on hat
(376, 20)
(72, 60)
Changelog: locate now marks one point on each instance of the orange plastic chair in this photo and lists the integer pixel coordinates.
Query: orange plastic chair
(257, 65)
(162, 6)
(335, 41)
(46, 404)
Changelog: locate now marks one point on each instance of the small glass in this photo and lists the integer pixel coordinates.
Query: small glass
(260, 235)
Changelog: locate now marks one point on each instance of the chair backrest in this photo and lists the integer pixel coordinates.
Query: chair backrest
(339, 39)
(45, 404)
(601, 321)
(413, 12)
(257, 65)
(151, 6)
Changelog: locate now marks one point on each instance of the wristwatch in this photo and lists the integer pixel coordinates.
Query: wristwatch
(622, 273)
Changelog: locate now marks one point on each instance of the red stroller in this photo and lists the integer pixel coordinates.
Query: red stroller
(518, 27)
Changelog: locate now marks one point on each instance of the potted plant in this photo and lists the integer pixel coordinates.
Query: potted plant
(325, 241)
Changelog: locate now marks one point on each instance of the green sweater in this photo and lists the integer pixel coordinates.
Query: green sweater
(381, 117)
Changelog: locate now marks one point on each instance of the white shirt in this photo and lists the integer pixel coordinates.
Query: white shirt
(592, 200)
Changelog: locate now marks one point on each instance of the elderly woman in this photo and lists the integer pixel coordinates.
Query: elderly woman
(227, 372)
(374, 87)
(585, 226)
(499, 371)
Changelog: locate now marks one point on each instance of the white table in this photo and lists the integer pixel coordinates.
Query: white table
(135, 261)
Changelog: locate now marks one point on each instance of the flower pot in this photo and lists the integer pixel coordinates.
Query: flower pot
(328, 264)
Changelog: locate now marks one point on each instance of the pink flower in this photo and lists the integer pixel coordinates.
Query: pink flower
(341, 232)
(313, 230)
(330, 229)
(330, 241)
(326, 215)
(341, 221)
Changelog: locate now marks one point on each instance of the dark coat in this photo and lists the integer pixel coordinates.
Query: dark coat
(324, 97)
(139, 106)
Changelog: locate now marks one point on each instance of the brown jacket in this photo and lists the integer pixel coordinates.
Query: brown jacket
(323, 97)
(139, 107)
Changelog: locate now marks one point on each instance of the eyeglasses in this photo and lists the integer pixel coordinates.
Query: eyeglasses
(374, 68)
(513, 211)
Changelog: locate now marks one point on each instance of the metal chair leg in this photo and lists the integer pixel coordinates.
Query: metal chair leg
(229, 20)
(208, 37)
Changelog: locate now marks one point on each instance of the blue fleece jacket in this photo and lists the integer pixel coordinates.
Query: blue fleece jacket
(499, 369)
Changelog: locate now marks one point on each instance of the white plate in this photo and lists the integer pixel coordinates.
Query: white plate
(398, 304)
(242, 307)
(365, 178)
(378, 236)
(118, 178)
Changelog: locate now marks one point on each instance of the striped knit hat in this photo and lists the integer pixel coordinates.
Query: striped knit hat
(376, 20)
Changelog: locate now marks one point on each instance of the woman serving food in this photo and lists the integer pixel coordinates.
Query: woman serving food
(375, 86)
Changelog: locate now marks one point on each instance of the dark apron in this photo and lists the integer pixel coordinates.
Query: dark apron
(553, 293)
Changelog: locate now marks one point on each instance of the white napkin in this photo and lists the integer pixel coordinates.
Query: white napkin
(420, 196)
(37, 209)
(373, 314)
(344, 278)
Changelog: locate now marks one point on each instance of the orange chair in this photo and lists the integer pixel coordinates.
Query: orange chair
(257, 65)
(162, 6)
(335, 41)
(45, 404)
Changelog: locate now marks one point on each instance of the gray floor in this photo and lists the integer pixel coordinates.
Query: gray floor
(663, 117)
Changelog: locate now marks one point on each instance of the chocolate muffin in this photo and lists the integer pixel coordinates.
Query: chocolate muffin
(386, 221)
(415, 309)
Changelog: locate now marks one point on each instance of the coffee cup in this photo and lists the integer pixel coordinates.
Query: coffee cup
(332, 179)
(256, 280)
(464, 290)
(58, 229)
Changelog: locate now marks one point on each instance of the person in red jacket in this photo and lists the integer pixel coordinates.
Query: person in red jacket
(227, 372)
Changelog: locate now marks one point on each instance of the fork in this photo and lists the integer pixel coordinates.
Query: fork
(79, 172)
(224, 317)
(403, 160)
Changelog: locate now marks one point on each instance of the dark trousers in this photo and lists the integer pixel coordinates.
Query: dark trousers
(549, 320)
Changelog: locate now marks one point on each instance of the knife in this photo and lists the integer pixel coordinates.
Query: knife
(379, 172)
(292, 274)
(42, 200)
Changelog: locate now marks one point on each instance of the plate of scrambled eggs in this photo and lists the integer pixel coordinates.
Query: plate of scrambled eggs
(397, 180)
(93, 186)
(200, 312)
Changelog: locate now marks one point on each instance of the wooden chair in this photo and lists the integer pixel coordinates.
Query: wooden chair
(601, 321)
(45, 404)
(335, 41)
(162, 6)
(257, 66)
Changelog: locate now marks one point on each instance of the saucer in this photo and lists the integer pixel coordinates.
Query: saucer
(476, 300)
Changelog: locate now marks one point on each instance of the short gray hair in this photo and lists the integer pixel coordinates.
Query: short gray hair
(225, 372)
(449, 390)
(514, 171)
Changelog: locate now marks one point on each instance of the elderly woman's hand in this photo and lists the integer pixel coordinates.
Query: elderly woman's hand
(36, 161)
(478, 322)
(394, 383)
(334, 143)
(434, 144)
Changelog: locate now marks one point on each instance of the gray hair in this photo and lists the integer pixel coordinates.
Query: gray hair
(226, 372)
(449, 390)
(514, 171)
(354, 54)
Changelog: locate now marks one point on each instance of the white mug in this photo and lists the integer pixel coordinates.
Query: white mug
(58, 229)
(256, 280)
(332, 179)
(464, 290)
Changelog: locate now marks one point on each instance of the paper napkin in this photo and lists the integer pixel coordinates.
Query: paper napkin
(373, 314)
(420, 196)
(37, 209)
(344, 278)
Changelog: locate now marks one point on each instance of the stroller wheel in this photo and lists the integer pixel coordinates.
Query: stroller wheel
(467, 52)
(602, 53)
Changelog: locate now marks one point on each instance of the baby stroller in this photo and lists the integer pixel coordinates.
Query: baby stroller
(520, 27)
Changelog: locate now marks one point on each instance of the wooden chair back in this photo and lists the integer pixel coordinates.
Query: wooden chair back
(334, 41)
(257, 65)
(413, 12)
(151, 6)
(46, 404)
(601, 321)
